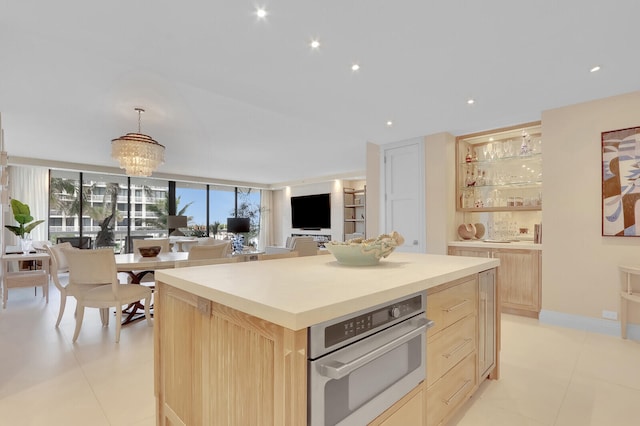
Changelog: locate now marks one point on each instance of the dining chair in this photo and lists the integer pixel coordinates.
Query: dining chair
(57, 265)
(98, 267)
(203, 262)
(215, 251)
(272, 256)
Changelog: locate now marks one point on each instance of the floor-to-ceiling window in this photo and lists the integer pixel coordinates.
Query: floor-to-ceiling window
(249, 206)
(104, 209)
(111, 210)
(64, 205)
(191, 201)
(221, 206)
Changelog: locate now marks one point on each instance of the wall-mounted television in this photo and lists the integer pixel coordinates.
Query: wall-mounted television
(311, 211)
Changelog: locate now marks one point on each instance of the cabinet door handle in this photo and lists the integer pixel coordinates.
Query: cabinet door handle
(456, 306)
(456, 393)
(457, 348)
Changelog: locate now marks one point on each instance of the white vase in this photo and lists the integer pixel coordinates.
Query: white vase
(25, 244)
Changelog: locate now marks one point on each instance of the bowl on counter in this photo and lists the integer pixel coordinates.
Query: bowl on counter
(151, 251)
(361, 252)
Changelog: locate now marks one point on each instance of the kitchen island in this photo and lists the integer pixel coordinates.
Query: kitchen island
(230, 340)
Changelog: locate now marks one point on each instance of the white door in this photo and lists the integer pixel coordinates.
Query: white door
(404, 193)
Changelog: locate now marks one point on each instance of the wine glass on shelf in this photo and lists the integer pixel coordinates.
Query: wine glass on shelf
(490, 152)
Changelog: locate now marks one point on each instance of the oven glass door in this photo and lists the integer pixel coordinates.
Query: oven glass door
(355, 384)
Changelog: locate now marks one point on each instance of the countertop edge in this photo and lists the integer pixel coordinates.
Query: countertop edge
(515, 245)
(297, 320)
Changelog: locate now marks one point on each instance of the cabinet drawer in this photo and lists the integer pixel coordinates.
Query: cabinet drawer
(447, 349)
(451, 391)
(448, 306)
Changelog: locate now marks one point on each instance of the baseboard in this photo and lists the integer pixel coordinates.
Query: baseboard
(593, 325)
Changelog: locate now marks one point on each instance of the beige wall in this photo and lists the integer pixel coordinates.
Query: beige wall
(373, 189)
(579, 268)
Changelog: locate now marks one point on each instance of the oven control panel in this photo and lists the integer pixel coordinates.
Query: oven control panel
(369, 321)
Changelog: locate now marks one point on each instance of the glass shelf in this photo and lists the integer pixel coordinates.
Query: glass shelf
(522, 185)
(505, 171)
(534, 156)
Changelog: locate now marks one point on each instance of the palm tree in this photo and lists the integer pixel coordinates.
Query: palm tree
(106, 215)
(161, 210)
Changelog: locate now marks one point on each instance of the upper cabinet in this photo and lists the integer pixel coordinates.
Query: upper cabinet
(500, 170)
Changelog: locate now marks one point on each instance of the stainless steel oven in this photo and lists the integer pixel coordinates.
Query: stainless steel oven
(361, 364)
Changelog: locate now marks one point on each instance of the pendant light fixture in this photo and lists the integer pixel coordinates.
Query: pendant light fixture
(138, 154)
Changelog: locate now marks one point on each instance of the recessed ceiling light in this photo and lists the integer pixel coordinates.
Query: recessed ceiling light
(490, 139)
(389, 123)
(355, 67)
(261, 13)
(595, 69)
(471, 101)
(314, 44)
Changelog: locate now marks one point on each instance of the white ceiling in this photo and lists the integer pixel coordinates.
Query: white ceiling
(232, 97)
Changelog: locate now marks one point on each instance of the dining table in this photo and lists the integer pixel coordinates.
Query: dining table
(137, 266)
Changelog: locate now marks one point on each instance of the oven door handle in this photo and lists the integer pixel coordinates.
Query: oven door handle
(337, 370)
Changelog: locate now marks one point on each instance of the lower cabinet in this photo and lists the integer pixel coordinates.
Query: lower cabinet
(519, 277)
(452, 348)
(217, 366)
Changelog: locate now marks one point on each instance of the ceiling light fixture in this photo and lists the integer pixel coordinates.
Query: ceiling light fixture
(138, 154)
(355, 67)
(314, 44)
(471, 101)
(261, 13)
(595, 69)
(389, 123)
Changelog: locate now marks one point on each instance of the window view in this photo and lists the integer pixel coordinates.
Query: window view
(191, 201)
(102, 220)
(221, 206)
(249, 206)
(64, 206)
(149, 208)
(101, 217)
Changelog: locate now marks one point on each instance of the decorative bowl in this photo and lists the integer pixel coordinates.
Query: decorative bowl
(361, 252)
(151, 251)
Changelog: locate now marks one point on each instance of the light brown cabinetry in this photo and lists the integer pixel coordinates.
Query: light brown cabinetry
(215, 365)
(452, 368)
(488, 325)
(519, 277)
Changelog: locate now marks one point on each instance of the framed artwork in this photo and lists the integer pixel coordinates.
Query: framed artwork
(621, 182)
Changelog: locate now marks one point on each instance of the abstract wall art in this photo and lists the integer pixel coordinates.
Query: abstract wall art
(621, 182)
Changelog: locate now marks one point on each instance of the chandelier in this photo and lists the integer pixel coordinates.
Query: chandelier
(138, 154)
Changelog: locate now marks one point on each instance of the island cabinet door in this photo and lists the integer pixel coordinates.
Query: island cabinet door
(217, 366)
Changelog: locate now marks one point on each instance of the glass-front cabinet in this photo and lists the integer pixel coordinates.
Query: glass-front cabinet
(500, 170)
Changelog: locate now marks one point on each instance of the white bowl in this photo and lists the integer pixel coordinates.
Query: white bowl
(364, 253)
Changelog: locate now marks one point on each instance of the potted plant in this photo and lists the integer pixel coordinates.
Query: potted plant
(22, 215)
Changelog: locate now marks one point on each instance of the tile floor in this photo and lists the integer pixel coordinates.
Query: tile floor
(550, 375)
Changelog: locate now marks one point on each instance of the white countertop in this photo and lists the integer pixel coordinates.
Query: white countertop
(522, 245)
(299, 292)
